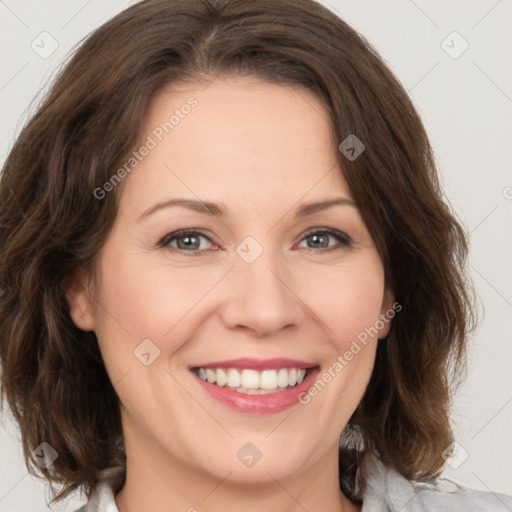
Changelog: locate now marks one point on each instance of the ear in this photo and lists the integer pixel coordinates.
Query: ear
(387, 313)
(79, 299)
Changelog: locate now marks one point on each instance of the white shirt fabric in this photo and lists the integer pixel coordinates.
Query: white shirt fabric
(385, 491)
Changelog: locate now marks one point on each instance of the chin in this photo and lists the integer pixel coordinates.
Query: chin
(250, 464)
(263, 472)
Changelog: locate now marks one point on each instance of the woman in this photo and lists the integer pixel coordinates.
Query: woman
(223, 246)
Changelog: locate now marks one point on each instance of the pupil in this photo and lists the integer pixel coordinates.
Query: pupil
(188, 240)
(316, 238)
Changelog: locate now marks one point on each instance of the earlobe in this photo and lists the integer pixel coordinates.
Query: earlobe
(79, 301)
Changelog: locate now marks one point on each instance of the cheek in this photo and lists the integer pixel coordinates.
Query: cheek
(349, 303)
(348, 300)
(151, 301)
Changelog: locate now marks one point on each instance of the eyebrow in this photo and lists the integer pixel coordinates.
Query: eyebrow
(219, 210)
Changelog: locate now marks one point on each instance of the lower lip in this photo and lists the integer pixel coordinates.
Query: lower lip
(258, 404)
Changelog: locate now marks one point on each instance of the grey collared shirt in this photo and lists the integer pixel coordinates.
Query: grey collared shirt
(388, 491)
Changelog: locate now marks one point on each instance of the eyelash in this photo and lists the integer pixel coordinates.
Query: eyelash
(344, 240)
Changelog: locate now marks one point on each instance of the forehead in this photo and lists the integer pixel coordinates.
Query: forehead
(239, 135)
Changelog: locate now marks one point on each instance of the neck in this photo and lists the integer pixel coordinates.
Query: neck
(155, 482)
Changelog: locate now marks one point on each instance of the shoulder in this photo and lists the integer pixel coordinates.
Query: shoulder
(101, 500)
(446, 495)
(387, 491)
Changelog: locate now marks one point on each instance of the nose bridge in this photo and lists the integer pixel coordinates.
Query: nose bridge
(261, 299)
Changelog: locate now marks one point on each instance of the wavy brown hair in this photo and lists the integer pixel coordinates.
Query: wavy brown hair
(51, 223)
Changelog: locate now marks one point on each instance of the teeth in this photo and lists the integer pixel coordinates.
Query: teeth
(256, 391)
(220, 377)
(210, 375)
(250, 379)
(282, 377)
(233, 378)
(268, 379)
(253, 382)
(292, 377)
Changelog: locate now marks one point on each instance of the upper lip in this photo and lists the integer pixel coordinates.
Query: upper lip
(256, 364)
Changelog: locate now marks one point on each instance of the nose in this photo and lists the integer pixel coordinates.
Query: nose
(261, 297)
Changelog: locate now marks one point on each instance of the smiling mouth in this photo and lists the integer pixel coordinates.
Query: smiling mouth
(254, 382)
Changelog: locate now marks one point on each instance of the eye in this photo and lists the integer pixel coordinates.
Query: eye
(320, 239)
(186, 240)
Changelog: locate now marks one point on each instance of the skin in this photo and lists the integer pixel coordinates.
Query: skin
(261, 150)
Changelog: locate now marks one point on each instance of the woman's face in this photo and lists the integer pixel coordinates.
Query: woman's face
(251, 293)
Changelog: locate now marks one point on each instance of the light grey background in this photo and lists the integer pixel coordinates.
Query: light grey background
(466, 105)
